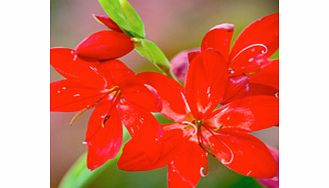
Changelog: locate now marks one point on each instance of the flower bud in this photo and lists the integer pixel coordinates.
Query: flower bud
(105, 45)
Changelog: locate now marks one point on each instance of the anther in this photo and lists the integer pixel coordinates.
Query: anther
(115, 88)
(107, 117)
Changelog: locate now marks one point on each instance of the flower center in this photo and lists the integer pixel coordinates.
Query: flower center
(199, 132)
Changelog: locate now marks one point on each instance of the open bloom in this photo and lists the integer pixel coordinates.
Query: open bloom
(201, 129)
(116, 95)
(250, 70)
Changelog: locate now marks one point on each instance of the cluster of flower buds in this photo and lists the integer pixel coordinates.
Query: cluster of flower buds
(227, 93)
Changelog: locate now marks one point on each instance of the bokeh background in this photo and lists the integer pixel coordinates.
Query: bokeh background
(174, 25)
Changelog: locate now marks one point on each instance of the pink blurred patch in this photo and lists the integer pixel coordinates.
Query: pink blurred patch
(179, 63)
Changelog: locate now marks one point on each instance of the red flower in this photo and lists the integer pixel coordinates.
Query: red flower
(200, 129)
(250, 69)
(116, 95)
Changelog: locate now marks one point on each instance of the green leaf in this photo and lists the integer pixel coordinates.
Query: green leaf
(122, 13)
(153, 53)
(275, 55)
(80, 176)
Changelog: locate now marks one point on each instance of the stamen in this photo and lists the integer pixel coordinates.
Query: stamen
(187, 123)
(192, 125)
(218, 128)
(249, 73)
(107, 117)
(203, 143)
(108, 91)
(75, 117)
(114, 99)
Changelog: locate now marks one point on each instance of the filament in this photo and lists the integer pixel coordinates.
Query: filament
(75, 117)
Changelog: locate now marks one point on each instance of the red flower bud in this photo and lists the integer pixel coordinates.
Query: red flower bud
(105, 45)
(107, 22)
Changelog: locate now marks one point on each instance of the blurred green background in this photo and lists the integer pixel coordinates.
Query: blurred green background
(174, 25)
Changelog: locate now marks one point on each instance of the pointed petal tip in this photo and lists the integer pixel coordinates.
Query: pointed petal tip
(105, 20)
(227, 26)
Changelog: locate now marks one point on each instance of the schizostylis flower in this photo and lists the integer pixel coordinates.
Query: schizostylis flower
(250, 68)
(200, 128)
(114, 93)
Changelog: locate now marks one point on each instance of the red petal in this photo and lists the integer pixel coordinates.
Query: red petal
(249, 114)
(137, 157)
(104, 45)
(187, 168)
(205, 83)
(104, 141)
(146, 134)
(67, 96)
(260, 89)
(255, 45)
(243, 153)
(263, 31)
(116, 71)
(268, 75)
(236, 88)
(249, 62)
(272, 182)
(192, 54)
(170, 92)
(136, 93)
(66, 62)
(108, 22)
(138, 121)
(219, 38)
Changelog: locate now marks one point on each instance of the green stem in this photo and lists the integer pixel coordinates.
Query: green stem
(154, 54)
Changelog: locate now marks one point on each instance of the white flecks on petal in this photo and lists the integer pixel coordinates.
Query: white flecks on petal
(231, 70)
(93, 68)
(75, 57)
(208, 92)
